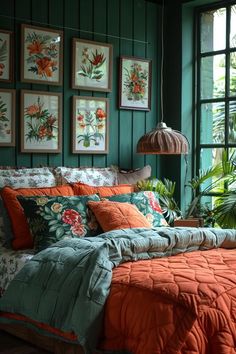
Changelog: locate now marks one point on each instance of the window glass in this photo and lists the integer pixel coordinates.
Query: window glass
(233, 74)
(211, 157)
(232, 122)
(213, 29)
(213, 76)
(233, 26)
(212, 128)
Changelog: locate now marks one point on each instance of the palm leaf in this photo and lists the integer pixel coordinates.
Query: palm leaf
(225, 212)
(204, 175)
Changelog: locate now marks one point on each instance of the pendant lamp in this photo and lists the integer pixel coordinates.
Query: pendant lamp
(163, 140)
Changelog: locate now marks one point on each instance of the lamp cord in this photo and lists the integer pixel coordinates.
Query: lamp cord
(162, 59)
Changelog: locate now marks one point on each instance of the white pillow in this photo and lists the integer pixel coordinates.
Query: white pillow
(93, 176)
(27, 178)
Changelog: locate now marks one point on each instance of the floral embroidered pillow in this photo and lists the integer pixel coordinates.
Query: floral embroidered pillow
(54, 218)
(27, 177)
(146, 202)
(93, 176)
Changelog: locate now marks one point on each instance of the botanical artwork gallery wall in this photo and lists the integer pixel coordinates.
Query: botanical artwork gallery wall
(131, 27)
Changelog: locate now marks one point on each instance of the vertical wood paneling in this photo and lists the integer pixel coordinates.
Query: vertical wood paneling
(119, 22)
(22, 10)
(7, 153)
(100, 26)
(39, 17)
(86, 24)
(153, 52)
(113, 19)
(126, 48)
(139, 23)
(55, 18)
(71, 18)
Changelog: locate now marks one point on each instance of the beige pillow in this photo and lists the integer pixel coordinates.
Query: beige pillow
(134, 176)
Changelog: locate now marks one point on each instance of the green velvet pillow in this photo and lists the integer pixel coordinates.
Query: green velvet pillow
(54, 218)
(146, 202)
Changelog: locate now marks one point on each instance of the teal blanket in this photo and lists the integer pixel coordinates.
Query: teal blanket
(66, 285)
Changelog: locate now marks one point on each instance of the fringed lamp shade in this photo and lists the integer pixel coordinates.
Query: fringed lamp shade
(163, 140)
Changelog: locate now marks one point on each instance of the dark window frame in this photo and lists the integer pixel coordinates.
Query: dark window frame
(198, 101)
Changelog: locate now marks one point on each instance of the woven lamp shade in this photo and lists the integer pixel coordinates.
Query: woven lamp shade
(163, 140)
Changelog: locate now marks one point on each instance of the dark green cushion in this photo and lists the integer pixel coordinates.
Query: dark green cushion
(147, 202)
(54, 218)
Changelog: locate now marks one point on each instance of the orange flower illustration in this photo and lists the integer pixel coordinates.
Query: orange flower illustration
(100, 113)
(2, 66)
(92, 126)
(42, 50)
(42, 132)
(41, 124)
(45, 66)
(33, 110)
(133, 77)
(136, 82)
(92, 64)
(36, 47)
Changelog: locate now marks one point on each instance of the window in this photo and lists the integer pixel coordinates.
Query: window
(216, 84)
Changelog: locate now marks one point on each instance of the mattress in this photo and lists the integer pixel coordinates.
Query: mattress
(11, 263)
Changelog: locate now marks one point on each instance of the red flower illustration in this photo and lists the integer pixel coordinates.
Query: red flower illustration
(155, 205)
(51, 120)
(2, 66)
(80, 118)
(100, 113)
(137, 88)
(78, 229)
(97, 59)
(71, 217)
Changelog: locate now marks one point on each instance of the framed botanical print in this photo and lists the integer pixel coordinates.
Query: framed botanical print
(135, 83)
(40, 122)
(90, 125)
(6, 56)
(92, 65)
(7, 117)
(41, 55)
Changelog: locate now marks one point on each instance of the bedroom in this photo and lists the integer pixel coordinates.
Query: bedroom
(139, 37)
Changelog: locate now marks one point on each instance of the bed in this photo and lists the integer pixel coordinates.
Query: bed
(138, 291)
(96, 269)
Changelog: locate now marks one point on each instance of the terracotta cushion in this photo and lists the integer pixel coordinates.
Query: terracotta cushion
(21, 233)
(107, 191)
(114, 215)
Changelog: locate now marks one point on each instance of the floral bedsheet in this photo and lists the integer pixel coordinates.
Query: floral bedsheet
(11, 263)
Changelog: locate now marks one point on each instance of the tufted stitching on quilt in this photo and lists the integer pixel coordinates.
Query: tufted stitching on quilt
(201, 288)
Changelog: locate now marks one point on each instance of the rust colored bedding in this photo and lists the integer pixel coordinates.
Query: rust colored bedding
(185, 304)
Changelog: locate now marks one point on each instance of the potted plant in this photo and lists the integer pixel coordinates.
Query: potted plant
(221, 183)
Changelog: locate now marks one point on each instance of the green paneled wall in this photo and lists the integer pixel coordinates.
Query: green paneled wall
(132, 27)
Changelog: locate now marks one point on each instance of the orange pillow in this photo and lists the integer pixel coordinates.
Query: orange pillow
(22, 236)
(115, 215)
(85, 189)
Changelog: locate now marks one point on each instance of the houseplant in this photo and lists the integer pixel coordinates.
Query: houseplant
(218, 181)
(166, 190)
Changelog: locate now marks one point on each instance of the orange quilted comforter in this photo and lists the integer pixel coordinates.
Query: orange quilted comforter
(184, 304)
